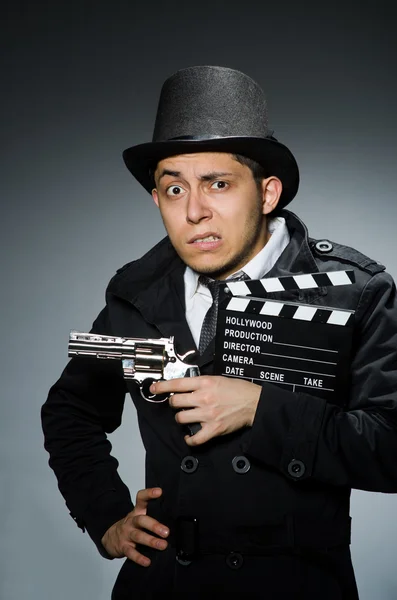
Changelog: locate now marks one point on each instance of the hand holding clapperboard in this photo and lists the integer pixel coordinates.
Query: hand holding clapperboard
(302, 347)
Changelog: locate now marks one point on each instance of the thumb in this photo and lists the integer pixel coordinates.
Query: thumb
(143, 497)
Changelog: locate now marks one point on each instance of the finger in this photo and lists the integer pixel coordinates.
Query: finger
(183, 400)
(133, 554)
(190, 415)
(202, 436)
(143, 496)
(139, 536)
(185, 384)
(150, 524)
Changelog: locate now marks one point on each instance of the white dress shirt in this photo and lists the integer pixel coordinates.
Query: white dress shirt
(198, 298)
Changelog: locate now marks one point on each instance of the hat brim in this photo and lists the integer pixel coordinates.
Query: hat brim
(276, 158)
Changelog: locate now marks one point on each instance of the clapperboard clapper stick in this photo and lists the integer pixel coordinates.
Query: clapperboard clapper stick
(302, 347)
(257, 287)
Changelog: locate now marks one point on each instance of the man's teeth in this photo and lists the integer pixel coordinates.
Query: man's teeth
(209, 238)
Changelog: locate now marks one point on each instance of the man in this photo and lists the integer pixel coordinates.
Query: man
(256, 503)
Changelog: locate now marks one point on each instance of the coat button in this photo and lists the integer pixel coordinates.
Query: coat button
(234, 560)
(296, 468)
(241, 464)
(182, 561)
(324, 246)
(189, 464)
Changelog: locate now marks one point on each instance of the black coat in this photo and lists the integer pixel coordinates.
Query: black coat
(289, 527)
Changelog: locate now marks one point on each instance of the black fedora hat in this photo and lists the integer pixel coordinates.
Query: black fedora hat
(213, 109)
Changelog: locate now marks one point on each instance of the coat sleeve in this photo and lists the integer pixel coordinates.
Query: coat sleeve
(307, 438)
(85, 404)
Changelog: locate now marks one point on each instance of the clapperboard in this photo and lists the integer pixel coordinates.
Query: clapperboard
(301, 347)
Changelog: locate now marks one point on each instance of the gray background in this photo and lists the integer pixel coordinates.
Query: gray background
(80, 83)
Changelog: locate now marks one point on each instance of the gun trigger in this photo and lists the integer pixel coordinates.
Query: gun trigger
(147, 395)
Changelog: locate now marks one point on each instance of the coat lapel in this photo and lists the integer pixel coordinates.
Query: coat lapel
(166, 310)
(154, 286)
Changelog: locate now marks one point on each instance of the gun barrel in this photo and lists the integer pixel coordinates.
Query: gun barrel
(147, 354)
(100, 350)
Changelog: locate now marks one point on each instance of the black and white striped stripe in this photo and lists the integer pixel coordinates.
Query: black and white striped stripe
(289, 310)
(256, 287)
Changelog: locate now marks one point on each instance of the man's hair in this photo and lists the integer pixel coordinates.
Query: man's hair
(258, 172)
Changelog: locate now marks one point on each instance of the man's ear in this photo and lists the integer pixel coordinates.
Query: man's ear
(155, 196)
(271, 192)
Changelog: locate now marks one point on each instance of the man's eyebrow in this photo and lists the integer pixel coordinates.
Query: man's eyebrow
(205, 177)
(168, 172)
(215, 175)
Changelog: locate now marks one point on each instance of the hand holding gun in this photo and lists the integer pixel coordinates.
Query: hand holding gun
(144, 360)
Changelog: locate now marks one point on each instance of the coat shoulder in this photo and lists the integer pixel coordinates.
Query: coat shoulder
(327, 250)
(160, 251)
(125, 267)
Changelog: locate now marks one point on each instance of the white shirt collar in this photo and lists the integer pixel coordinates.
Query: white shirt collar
(257, 267)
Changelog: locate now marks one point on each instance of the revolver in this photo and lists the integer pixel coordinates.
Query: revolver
(144, 360)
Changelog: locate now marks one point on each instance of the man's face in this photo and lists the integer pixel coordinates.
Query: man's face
(212, 210)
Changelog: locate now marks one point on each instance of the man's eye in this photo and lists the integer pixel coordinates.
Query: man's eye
(219, 185)
(175, 190)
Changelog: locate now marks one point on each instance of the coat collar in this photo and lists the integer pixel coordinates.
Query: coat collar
(297, 257)
(154, 283)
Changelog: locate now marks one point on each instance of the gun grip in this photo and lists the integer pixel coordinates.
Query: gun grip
(192, 372)
(192, 428)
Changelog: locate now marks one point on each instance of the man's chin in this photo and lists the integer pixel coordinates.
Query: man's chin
(211, 270)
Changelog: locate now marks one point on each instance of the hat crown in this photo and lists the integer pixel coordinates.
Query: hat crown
(209, 101)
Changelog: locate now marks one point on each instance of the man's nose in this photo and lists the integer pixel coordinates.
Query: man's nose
(197, 207)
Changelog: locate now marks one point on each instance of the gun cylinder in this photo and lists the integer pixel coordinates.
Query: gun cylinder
(151, 362)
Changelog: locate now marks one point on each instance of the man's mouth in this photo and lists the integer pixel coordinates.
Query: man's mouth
(205, 238)
(208, 238)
